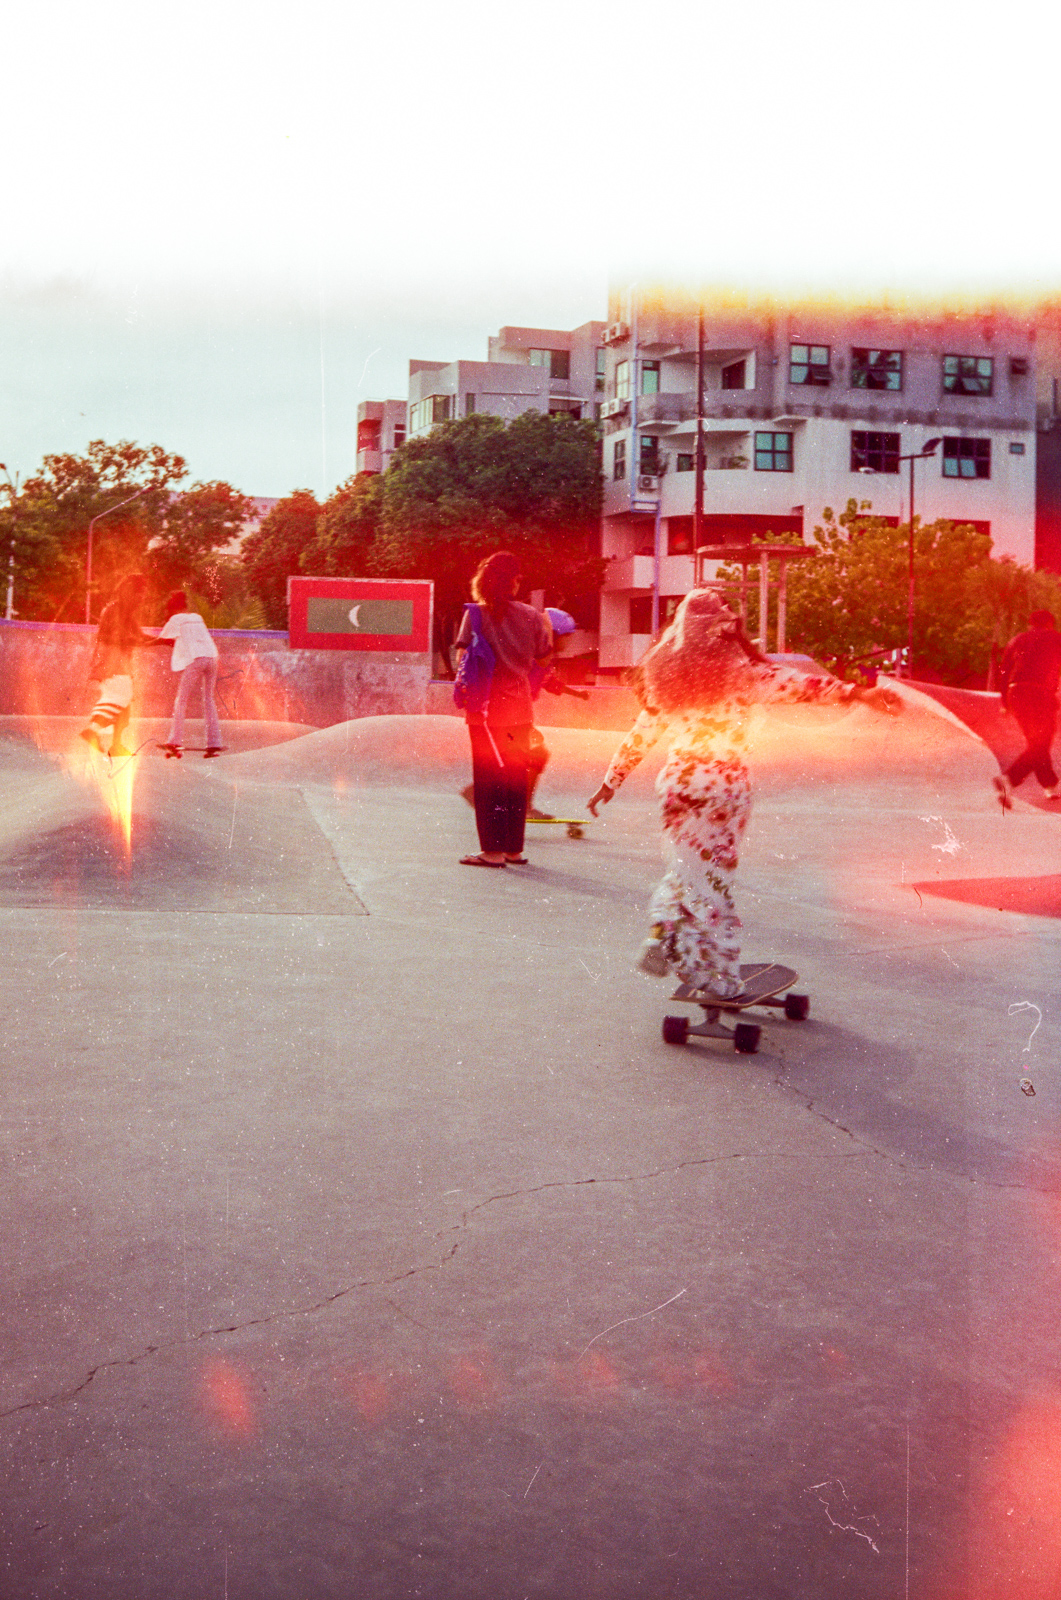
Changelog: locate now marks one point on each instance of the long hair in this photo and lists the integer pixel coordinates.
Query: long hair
(177, 602)
(492, 583)
(702, 658)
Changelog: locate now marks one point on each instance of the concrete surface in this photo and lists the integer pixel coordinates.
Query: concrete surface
(361, 1237)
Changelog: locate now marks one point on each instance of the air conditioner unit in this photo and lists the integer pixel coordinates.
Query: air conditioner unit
(613, 408)
(647, 484)
(614, 332)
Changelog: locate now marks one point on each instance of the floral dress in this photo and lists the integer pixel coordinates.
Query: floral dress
(705, 797)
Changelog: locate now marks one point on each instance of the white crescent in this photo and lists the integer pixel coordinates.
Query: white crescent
(352, 613)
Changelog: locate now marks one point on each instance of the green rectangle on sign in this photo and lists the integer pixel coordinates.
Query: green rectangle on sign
(324, 615)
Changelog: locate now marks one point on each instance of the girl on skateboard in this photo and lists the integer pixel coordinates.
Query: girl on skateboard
(119, 633)
(700, 681)
(195, 658)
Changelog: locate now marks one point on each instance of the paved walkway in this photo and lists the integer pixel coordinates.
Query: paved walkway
(361, 1236)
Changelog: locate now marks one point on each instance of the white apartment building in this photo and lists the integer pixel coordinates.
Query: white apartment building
(528, 369)
(804, 405)
(381, 426)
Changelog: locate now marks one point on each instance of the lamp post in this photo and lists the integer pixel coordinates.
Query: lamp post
(12, 491)
(929, 448)
(88, 553)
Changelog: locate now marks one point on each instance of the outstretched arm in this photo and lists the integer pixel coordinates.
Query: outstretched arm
(642, 736)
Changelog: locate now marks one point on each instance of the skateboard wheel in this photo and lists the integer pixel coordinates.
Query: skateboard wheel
(574, 831)
(797, 1007)
(746, 1038)
(676, 1030)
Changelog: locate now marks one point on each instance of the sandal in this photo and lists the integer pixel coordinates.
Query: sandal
(517, 861)
(479, 861)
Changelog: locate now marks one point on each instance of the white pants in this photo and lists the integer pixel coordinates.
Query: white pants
(198, 674)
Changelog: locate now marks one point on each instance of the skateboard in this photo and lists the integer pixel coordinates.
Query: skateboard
(576, 826)
(174, 752)
(764, 985)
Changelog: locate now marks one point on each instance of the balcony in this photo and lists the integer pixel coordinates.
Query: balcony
(631, 572)
(669, 408)
(622, 649)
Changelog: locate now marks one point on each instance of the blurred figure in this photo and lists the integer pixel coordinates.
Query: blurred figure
(501, 735)
(701, 680)
(118, 634)
(560, 624)
(195, 658)
(1030, 671)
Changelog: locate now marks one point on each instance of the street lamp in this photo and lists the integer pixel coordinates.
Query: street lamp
(88, 553)
(12, 491)
(929, 448)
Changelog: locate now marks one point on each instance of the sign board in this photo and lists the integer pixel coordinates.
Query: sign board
(381, 614)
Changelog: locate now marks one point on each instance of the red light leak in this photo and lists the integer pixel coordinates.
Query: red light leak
(226, 1399)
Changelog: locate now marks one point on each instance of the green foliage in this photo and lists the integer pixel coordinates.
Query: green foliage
(847, 606)
(167, 532)
(475, 485)
(342, 545)
(270, 555)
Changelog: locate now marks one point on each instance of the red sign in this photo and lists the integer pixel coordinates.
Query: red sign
(359, 614)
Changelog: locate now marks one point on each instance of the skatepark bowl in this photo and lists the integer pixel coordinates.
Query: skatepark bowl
(363, 1237)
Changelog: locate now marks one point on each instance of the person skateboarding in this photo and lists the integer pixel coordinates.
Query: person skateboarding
(500, 731)
(1030, 671)
(195, 658)
(118, 634)
(700, 681)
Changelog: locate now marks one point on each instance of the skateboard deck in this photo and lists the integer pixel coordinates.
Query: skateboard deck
(576, 826)
(171, 753)
(764, 984)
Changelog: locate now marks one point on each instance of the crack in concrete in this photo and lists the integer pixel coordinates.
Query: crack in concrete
(66, 1395)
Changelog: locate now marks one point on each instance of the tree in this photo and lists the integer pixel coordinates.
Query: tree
(848, 606)
(342, 545)
(170, 534)
(476, 485)
(270, 555)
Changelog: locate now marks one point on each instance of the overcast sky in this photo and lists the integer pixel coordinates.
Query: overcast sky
(226, 224)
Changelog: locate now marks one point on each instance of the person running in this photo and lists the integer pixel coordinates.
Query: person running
(1030, 671)
(701, 680)
(195, 658)
(118, 634)
(501, 736)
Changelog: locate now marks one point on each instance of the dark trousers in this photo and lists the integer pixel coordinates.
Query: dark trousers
(1035, 709)
(500, 762)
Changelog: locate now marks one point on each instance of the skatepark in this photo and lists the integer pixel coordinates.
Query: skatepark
(363, 1237)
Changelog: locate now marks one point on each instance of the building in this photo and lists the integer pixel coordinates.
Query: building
(804, 405)
(527, 369)
(381, 428)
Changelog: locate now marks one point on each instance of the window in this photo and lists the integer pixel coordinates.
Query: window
(641, 611)
(685, 463)
(1016, 447)
(733, 376)
(967, 374)
(599, 382)
(622, 381)
(368, 432)
(399, 434)
(809, 363)
(876, 369)
(557, 361)
(469, 404)
(650, 377)
(878, 451)
(773, 452)
(619, 460)
(648, 458)
(425, 413)
(967, 458)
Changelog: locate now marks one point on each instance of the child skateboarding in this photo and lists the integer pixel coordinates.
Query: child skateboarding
(119, 633)
(195, 658)
(699, 682)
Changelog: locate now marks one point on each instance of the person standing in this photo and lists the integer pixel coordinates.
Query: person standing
(118, 634)
(195, 658)
(700, 681)
(1030, 671)
(501, 735)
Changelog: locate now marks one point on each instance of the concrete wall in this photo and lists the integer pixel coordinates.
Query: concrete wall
(44, 668)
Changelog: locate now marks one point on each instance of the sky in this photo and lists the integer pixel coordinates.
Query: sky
(224, 225)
